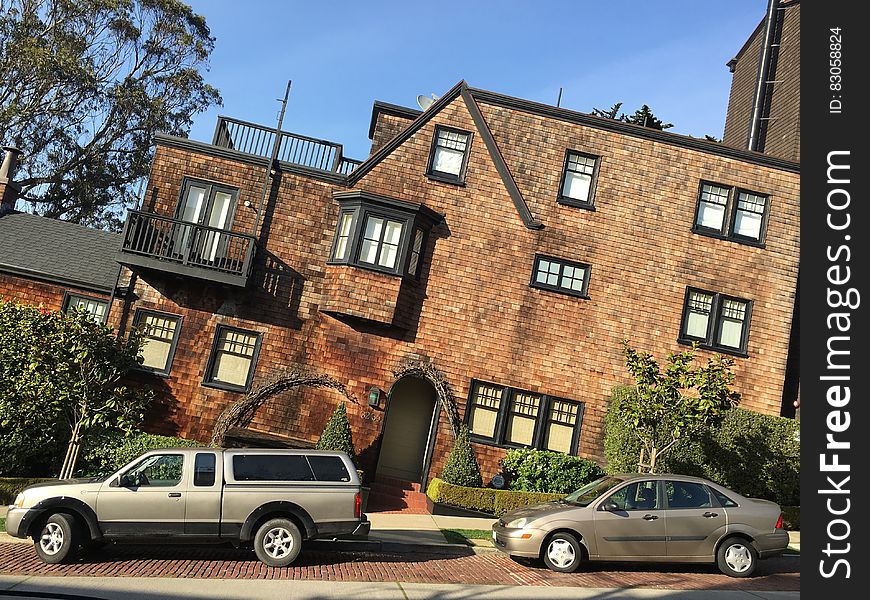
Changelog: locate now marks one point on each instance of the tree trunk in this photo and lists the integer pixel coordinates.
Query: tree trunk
(72, 453)
(652, 460)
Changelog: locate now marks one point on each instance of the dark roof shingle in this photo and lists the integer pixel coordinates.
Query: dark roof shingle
(58, 251)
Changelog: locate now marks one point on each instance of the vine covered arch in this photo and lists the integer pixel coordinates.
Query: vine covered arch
(241, 412)
(424, 369)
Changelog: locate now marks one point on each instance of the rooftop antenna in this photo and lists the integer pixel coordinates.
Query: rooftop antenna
(559, 99)
(425, 102)
(270, 168)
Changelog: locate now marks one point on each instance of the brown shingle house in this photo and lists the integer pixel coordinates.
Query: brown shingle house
(481, 266)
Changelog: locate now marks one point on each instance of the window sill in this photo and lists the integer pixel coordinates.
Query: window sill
(227, 387)
(446, 179)
(364, 267)
(729, 238)
(565, 201)
(720, 349)
(563, 292)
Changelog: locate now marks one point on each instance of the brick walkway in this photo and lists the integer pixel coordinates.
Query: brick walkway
(778, 574)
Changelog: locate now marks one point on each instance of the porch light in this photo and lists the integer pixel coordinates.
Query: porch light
(374, 395)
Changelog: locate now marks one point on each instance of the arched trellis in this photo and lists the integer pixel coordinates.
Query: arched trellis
(241, 412)
(424, 369)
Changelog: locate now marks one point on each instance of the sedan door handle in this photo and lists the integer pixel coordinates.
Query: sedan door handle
(650, 517)
(175, 494)
(710, 515)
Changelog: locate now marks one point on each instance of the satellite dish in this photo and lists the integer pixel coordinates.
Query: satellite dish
(425, 102)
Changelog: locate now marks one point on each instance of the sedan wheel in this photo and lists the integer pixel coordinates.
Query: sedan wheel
(562, 553)
(737, 558)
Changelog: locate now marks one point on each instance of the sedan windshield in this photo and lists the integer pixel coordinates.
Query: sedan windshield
(591, 491)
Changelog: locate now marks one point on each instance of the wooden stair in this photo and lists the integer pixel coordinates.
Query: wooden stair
(391, 495)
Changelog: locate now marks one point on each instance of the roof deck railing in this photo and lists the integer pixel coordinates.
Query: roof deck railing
(251, 138)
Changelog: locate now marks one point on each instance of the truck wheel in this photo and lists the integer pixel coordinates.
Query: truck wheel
(56, 539)
(278, 542)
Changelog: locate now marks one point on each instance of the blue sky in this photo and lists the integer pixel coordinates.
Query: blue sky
(342, 56)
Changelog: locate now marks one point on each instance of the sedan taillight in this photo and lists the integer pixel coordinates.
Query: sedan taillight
(357, 506)
(779, 522)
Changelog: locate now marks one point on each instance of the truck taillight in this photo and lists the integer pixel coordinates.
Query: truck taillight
(779, 522)
(357, 507)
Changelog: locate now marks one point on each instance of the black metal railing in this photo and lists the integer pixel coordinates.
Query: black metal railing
(188, 244)
(251, 138)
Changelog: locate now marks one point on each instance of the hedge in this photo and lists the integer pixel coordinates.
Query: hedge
(488, 500)
(754, 454)
(10, 486)
(529, 470)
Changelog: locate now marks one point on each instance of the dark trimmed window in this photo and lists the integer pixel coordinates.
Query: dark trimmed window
(449, 156)
(731, 213)
(514, 418)
(560, 275)
(161, 336)
(578, 179)
(381, 234)
(716, 321)
(95, 307)
(233, 359)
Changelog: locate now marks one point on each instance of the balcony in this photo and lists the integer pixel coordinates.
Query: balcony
(159, 243)
(293, 148)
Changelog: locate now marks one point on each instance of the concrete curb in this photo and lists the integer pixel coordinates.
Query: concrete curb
(396, 547)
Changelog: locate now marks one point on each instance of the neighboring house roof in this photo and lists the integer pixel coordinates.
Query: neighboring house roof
(58, 251)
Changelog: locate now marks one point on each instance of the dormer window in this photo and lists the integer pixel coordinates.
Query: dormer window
(380, 233)
(578, 179)
(449, 156)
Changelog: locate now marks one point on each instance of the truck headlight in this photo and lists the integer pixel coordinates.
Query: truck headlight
(19, 500)
(518, 523)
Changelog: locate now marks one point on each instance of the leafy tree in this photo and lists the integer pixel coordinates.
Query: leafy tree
(85, 85)
(643, 116)
(63, 374)
(661, 412)
(337, 435)
(462, 468)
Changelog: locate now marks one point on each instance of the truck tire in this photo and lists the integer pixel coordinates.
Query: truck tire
(57, 539)
(277, 542)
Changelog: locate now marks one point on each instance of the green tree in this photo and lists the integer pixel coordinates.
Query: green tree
(85, 85)
(337, 435)
(661, 410)
(462, 468)
(642, 116)
(64, 374)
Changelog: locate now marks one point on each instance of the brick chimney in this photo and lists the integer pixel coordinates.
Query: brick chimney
(9, 191)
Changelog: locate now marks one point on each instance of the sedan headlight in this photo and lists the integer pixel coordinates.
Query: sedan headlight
(19, 500)
(518, 523)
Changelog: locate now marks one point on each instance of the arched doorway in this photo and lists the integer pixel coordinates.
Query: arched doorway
(409, 430)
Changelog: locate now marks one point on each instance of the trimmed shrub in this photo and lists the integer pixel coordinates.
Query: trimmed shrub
(10, 486)
(107, 452)
(791, 518)
(462, 468)
(548, 472)
(488, 500)
(337, 435)
(754, 454)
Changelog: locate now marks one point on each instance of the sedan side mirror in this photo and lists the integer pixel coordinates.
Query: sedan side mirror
(127, 481)
(610, 506)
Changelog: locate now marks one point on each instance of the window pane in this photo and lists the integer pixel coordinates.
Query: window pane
(731, 329)
(388, 256)
(204, 469)
(160, 470)
(220, 210)
(750, 211)
(524, 414)
(561, 424)
(485, 403)
(711, 208)
(368, 252)
(328, 468)
(193, 204)
(343, 236)
(685, 494)
(699, 314)
(235, 355)
(576, 186)
(159, 333)
(96, 308)
(271, 467)
(447, 161)
(393, 233)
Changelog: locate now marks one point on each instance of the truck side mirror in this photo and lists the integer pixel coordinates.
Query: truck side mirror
(610, 506)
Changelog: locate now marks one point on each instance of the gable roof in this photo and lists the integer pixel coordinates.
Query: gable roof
(58, 251)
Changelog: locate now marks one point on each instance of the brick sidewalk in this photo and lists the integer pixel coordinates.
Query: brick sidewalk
(778, 574)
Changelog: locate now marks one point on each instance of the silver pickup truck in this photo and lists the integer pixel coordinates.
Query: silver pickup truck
(273, 499)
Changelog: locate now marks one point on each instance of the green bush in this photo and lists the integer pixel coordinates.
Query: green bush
(488, 500)
(10, 486)
(791, 518)
(754, 454)
(462, 468)
(109, 451)
(337, 435)
(550, 472)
